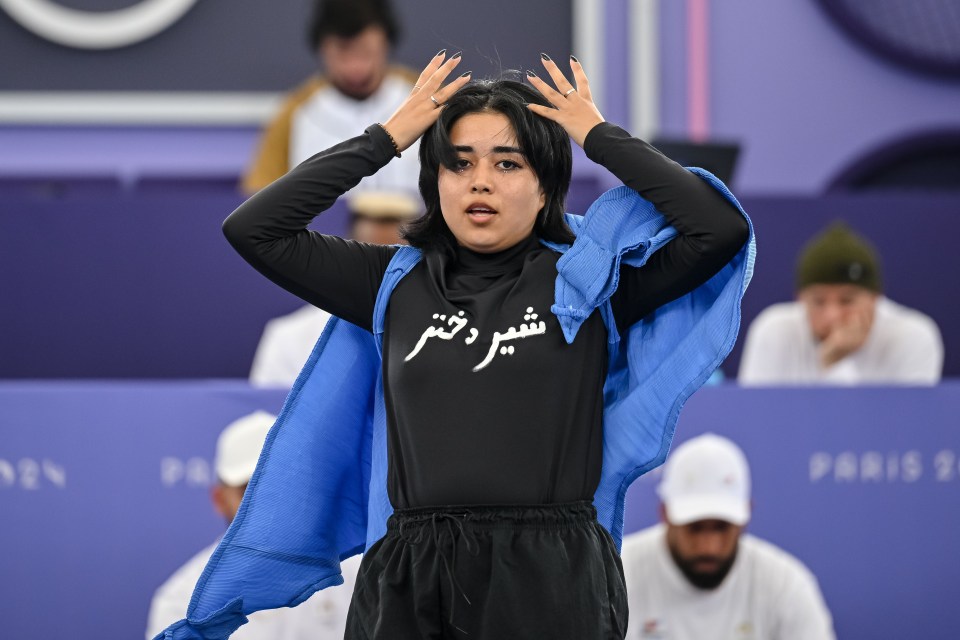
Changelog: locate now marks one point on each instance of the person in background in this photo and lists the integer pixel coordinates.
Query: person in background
(353, 40)
(841, 329)
(322, 617)
(698, 575)
(375, 218)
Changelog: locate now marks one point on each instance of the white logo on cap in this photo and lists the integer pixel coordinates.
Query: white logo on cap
(96, 29)
(855, 271)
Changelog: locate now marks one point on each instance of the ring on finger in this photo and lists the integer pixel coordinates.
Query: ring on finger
(434, 101)
(569, 91)
(417, 87)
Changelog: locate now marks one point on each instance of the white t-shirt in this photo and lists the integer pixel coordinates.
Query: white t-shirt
(328, 117)
(322, 617)
(285, 346)
(768, 595)
(904, 347)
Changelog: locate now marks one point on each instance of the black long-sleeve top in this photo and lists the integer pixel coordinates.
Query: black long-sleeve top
(477, 413)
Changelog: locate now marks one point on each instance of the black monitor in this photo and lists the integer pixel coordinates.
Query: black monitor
(719, 158)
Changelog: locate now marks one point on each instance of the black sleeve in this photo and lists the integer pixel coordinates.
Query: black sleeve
(269, 231)
(710, 229)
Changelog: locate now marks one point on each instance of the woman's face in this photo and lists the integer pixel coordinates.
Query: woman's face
(491, 199)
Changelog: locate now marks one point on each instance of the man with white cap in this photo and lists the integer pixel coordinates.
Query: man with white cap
(697, 575)
(322, 617)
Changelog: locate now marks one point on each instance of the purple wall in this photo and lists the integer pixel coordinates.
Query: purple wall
(125, 154)
(131, 284)
(803, 99)
(103, 491)
(102, 281)
(616, 41)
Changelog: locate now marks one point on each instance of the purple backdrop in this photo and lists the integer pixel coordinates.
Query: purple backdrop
(103, 491)
(138, 284)
(803, 99)
(103, 282)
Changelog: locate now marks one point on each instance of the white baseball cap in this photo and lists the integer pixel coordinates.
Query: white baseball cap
(706, 478)
(238, 447)
(398, 205)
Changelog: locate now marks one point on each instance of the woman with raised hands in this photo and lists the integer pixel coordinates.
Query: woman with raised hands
(532, 363)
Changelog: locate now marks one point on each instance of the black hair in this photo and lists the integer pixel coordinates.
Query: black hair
(545, 145)
(347, 18)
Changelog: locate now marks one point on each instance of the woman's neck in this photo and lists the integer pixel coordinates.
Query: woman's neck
(497, 261)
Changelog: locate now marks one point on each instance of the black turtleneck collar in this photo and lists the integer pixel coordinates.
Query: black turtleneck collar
(510, 259)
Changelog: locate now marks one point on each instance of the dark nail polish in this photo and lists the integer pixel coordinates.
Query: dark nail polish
(532, 74)
(574, 58)
(544, 56)
(456, 55)
(464, 75)
(440, 53)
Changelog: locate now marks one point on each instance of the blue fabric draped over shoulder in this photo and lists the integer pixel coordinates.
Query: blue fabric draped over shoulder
(319, 493)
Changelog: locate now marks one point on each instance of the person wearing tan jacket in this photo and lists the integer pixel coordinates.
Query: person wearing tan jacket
(353, 40)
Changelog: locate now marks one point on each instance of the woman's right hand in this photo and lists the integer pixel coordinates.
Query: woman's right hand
(418, 111)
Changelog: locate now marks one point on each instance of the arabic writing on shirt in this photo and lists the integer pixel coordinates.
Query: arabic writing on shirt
(450, 326)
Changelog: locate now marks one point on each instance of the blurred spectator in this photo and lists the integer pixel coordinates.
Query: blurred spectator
(698, 575)
(353, 40)
(323, 616)
(841, 329)
(375, 218)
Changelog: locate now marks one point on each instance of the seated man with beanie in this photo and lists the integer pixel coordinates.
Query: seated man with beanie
(841, 329)
(698, 575)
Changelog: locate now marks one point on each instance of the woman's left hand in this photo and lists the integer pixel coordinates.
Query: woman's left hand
(575, 111)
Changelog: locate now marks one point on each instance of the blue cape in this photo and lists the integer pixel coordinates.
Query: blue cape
(319, 492)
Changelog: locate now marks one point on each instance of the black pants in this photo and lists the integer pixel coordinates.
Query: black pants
(491, 572)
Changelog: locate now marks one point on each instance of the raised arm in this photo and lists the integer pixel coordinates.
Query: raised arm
(270, 229)
(710, 229)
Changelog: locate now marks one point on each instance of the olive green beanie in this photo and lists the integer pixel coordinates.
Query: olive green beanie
(839, 256)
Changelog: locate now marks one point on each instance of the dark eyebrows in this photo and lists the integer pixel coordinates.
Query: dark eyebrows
(468, 149)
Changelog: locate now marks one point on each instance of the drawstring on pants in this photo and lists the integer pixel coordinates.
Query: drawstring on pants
(454, 523)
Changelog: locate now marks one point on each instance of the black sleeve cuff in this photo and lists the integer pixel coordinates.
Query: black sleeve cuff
(382, 144)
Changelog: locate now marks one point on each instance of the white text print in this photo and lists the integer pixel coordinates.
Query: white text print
(525, 331)
(447, 328)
